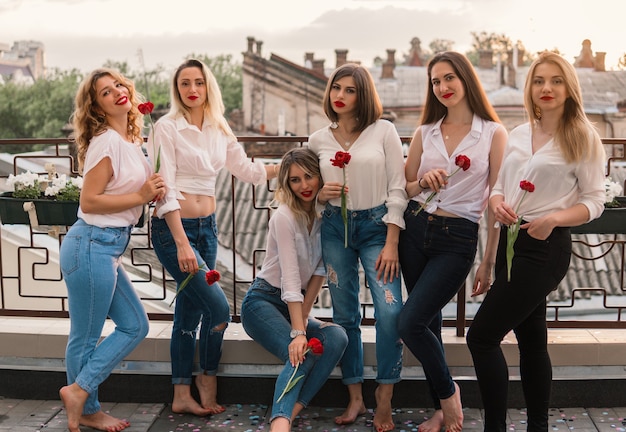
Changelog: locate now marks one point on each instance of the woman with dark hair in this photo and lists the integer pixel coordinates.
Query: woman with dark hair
(560, 155)
(194, 142)
(453, 162)
(363, 196)
(275, 311)
(118, 182)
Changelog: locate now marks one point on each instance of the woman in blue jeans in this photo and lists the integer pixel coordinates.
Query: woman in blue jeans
(373, 184)
(458, 128)
(275, 311)
(118, 181)
(194, 142)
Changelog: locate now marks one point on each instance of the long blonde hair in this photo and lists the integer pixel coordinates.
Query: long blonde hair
(88, 121)
(306, 159)
(576, 136)
(213, 105)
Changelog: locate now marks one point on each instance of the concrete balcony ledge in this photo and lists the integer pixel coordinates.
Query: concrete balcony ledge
(588, 366)
(39, 344)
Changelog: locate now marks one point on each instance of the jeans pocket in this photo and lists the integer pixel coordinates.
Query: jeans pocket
(70, 254)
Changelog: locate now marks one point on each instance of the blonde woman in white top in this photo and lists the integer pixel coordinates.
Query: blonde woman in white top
(276, 309)
(375, 203)
(195, 142)
(438, 247)
(118, 181)
(560, 153)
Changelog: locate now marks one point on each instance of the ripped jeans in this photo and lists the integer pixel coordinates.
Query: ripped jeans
(367, 234)
(265, 317)
(198, 303)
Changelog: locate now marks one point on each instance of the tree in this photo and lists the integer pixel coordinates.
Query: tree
(496, 43)
(439, 45)
(621, 64)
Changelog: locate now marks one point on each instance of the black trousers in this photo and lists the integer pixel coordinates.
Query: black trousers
(519, 305)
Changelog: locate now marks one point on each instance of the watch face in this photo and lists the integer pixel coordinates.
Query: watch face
(295, 333)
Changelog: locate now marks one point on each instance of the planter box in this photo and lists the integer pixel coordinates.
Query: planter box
(49, 212)
(612, 221)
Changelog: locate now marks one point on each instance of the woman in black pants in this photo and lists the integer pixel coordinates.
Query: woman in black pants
(552, 178)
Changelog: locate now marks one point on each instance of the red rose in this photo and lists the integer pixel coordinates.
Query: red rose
(315, 345)
(463, 162)
(341, 159)
(527, 186)
(212, 276)
(146, 107)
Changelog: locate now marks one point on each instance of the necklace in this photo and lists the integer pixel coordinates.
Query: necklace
(347, 142)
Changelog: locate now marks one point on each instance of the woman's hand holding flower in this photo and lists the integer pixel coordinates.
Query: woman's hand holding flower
(297, 347)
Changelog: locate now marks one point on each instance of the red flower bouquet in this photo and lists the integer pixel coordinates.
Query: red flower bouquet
(513, 230)
(315, 346)
(463, 163)
(341, 160)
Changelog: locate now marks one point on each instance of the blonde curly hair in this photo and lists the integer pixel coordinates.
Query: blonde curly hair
(87, 119)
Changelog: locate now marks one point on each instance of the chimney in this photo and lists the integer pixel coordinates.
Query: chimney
(308, 59)
(599, 62)
(485, 59)
(318, 66)
(342, 57)
(259, 44)
(389, 65)
(250, 44)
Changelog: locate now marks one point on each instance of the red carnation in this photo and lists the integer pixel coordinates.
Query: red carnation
(527, 186)
(212, 276)
(146, 107)
(463, 162)
(315, 345)
(341, 159)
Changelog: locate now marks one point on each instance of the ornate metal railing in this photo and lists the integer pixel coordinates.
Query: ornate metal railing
(31, 283)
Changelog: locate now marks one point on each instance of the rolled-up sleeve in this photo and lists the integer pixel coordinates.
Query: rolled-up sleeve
(397, 199)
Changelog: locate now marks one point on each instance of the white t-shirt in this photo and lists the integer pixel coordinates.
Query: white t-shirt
(375, 173)
(293, 254)
(192, 158)
(558, 185)
(130, 171)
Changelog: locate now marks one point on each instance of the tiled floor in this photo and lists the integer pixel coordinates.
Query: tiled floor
(35, 415)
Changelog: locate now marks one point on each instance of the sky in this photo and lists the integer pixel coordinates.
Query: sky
(85, 34)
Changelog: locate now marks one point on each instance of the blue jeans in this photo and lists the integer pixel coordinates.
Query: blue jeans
(97, 287)
(265, 317)
(198, 303)
(367, 234)
(436, 255)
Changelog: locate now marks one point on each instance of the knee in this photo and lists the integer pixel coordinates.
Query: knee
(220, 327)
(336, 337)
(409, 327)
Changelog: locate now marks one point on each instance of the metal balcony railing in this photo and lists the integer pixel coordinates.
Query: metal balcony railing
(31, 283)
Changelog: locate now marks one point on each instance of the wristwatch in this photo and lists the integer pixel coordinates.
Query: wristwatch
(295, 333)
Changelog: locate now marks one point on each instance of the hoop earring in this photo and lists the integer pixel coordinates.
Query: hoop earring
(537, 111)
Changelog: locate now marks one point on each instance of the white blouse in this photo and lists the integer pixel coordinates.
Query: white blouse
(558, 185)
(293, 255)
(375, 173)
(192, 158)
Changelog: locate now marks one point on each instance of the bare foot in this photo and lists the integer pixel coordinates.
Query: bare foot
(207, 387)
(453, 411)
(104, 422)
(354, 409)
(184, 403)
(433, 424)
(280, 424)
(74, 399)
(383, 421)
